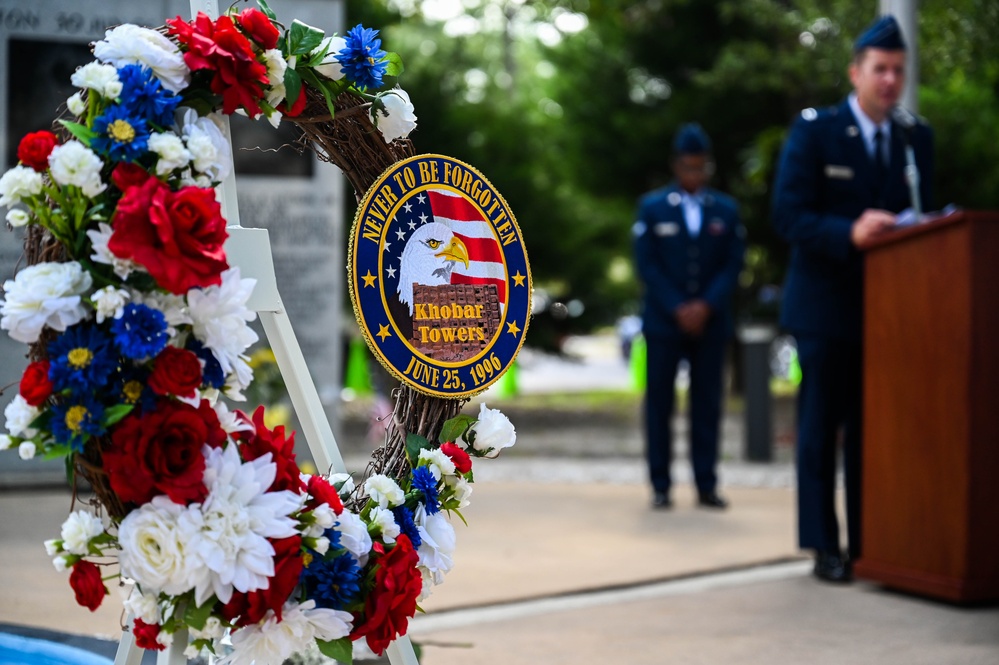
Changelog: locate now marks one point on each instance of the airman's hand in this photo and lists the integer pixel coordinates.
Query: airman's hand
(871, 223)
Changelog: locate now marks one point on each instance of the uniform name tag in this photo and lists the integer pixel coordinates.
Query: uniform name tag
(839, 172)
(716, 227)
(667, 229)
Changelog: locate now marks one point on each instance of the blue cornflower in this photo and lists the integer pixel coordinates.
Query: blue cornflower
(424, 481)
(334, 537)
(76, 419)
(212, 373)
(83, 359)
(404, 518)
(121, 135)
(362, 60)
(141, 332)
(132, 387)
(333, 583)
(144, 96)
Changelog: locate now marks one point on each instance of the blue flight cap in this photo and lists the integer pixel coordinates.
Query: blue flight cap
(883, 34)
(691, 140)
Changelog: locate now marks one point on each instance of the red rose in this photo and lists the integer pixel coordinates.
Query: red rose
(35, 385)
(462, 462)
(160, 452)
(35, 148)
(146, 634)
(296, 108)
(392, 601)
(175, 372)
(87, 585)
(251, 607)
(282, 452)
(127, 174)
(223, 49)
(177, 236)
(322, 492)
(260, 29)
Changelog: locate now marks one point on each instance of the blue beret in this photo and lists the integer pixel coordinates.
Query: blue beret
(883, 34)
(691, 140)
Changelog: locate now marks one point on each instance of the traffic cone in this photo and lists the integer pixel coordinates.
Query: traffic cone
(507, 384)
(358, 376)
(638, 363)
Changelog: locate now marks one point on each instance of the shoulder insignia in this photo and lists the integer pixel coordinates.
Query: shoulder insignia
(809, 114)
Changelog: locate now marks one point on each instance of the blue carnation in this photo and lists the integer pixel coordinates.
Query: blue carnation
(212, 373)
(82, 358)
(362, 60)
(332, 583)
(141, 332)
(424, 481)
(404, 518)
(75, 419)
(121, 135)
(143, 95)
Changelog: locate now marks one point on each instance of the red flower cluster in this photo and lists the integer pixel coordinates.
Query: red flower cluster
(260, 29)
(87, 585)
(220, 47)
(462, 462)
(146, 634)
(322, 492)
(127, 175)
(177, 236)
(35, 385)
(282, 452)
(175, 372)
(35, 148)
(250, 608)
(160, 453)
(392, 601)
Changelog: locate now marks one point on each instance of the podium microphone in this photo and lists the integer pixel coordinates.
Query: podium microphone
(906, 121)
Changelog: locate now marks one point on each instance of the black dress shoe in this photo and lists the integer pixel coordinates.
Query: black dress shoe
(712, 500)
(661, 500)
(832, 567)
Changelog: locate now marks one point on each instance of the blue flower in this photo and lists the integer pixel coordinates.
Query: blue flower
(424, 481)
(132, 387)
(334, 537)
(76, 419)
(121, 135)
(82, 358)
(404, 518)
(362, 60)
(212, 373)
(143, 95)
(141, 332)
(332, 583)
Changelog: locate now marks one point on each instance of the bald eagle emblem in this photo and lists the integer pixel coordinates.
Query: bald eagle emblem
(428, 258)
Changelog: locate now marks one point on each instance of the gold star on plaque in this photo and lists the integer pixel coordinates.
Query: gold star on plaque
(383, 331)
(518, 279)
(512, 328)
(369, 279)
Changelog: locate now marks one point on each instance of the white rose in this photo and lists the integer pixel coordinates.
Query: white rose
(96, 76)
(109, 303)
(20, 415)
(437, 546)
(18, 218)
(324, 515)
(99, 239)
(143, 606)
(73, 163)
(276, 68)
(397, 119)
(384, 491)
(493, 432)
(78, 530)
(206, 142)
(129, 44)
(171, 152)
(19, 183)
(76, 105)
(155, 552)
(462, 489)
(354, 536)
(322, 545)
(26, 450)
(440, 464)
(59, 563)
(45, 294)
(330, 66)
(52, 547)
(213, 630)
(343, 482)
(5, 441)
(384, 522)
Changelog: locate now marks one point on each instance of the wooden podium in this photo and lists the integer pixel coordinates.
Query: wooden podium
(931, 409)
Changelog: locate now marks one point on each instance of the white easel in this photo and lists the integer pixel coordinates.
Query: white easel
(250, 249)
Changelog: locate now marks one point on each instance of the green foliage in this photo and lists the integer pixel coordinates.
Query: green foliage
(342, 650)
(414, 444)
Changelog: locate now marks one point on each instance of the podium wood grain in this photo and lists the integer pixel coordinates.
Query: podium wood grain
(931, 409)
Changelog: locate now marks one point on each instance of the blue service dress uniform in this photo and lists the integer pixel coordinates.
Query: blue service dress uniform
(676, 267)
(825, 181)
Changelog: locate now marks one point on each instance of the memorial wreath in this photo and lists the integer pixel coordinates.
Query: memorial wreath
(137, 327)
